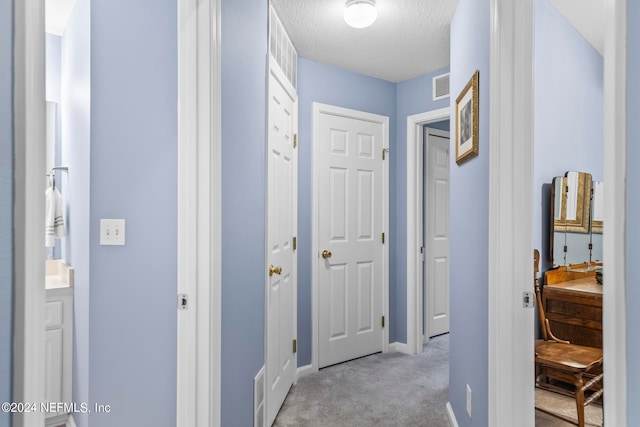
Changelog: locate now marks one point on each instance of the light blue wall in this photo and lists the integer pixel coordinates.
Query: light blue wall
(469, 216)
(318, 82)
(633, 212)
(244, 50)
(74, 152)
(568, 112)
(6, 204)
(132, 316)
(413, 96)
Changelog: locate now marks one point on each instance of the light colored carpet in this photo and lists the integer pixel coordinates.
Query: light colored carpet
(391, 389)
(566, 406)
(394, 389)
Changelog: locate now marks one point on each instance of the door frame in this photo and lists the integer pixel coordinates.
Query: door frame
(198, 383)
(615, 238)
(317, 109)
(199, 328)
(29, 252)
(415, 203)
(511, 115)
(425, 283)
(510, 325)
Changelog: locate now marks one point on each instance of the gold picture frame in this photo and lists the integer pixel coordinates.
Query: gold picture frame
(467, 121)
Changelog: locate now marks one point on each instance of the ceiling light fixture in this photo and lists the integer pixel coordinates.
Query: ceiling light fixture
(360, 13)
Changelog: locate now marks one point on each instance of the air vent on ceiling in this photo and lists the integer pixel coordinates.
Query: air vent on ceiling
(281, 49)
(441, 87)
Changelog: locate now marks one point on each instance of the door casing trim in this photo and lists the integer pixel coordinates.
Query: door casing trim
(28, 240)
(614, 316)
(198, 393)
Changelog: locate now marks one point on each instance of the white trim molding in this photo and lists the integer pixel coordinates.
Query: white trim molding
(414, 223)
(615, 237)
(399, 347)
(28, 244)
(317, 109)
(199, 214)
(452, 416)
(511, 385)
(303, 371)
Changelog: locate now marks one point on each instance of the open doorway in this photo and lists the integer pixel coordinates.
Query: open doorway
(67, 74)
(435, 226)
(417, 211)
(568, 188)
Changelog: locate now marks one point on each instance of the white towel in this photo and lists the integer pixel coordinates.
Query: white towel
(54, 222)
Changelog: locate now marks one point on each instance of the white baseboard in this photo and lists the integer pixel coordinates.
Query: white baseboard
(451, 415)
(400, 347)
(258, 399)
(64, 419)
(305, 370)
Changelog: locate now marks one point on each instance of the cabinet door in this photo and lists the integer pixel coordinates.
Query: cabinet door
(53, 366)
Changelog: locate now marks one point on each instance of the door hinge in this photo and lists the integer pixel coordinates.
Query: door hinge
(295, 140)
(295, 346)
(295, 243)
(183, 301)
(383, 238)
(383, 321)
(384, 152)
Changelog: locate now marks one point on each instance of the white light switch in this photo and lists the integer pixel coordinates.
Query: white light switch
(112, 232)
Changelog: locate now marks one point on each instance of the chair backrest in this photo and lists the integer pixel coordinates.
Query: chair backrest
(543, 318)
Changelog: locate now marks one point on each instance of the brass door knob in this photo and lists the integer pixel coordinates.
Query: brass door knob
(276, 270)
(326, 254)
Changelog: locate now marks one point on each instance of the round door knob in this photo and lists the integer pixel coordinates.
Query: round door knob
(326, 254)
(276, 270)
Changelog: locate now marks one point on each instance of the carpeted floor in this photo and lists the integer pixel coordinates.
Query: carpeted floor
(391, 389)
(566, 406)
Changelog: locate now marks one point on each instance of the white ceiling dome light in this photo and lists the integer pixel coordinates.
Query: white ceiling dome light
(360, 13)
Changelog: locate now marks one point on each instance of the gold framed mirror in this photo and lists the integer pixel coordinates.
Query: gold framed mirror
(572, 202)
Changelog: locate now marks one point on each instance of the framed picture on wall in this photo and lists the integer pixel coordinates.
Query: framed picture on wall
(467, 121)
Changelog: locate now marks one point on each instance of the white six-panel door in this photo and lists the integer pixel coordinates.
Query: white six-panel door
(436, 209)
(351, 218)
(281, 254)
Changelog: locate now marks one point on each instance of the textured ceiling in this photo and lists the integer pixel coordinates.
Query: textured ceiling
(410, 37)
(587, 16)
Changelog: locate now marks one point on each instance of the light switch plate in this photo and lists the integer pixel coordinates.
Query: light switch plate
(112, 232)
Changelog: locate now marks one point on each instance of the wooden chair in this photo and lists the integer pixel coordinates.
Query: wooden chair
(559, 360)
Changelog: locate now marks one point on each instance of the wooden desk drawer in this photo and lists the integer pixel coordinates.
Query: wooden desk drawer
(574, 317)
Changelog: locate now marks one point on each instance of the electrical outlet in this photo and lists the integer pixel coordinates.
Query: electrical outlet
(112, 232)
(469, 400)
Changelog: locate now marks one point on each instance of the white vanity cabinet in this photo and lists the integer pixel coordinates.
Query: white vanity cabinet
(58, 347)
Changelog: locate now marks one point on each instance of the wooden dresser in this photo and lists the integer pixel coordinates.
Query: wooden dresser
(574, 307)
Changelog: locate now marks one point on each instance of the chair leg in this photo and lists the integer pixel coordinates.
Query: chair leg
(580, 399)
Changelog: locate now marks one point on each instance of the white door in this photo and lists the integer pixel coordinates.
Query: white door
(351, 217)
(436, 209)
(281, 255)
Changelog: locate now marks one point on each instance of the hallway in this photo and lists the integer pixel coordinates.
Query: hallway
(377, 390)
